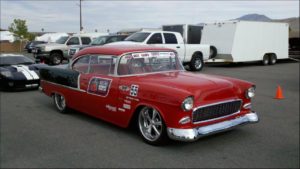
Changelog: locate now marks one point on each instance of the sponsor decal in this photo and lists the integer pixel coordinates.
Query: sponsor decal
(122, 110)
(131, 98)
(111, 108)
(124, 88)
(99, 86)
(127, 101)
(134, 90)
(126, 106)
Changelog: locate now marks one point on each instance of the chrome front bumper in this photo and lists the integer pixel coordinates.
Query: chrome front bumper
(196, 133)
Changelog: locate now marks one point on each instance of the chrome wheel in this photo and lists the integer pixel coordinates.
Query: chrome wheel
(60, 102)
(198, 63)
(150, 124)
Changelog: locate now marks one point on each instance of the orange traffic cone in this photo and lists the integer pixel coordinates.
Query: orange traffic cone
(279, 94)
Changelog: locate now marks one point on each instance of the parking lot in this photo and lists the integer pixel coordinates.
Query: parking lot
(34, 134)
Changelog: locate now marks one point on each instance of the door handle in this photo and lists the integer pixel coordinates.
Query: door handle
(177, 46)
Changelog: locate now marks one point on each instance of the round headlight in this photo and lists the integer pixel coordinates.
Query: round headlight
(6, 73)
(250, 93)
(187, 104)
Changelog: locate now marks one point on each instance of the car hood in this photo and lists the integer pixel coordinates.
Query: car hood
(51, 45)
(183, 84)
(125, 43)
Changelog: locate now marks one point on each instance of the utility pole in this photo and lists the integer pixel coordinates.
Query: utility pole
(81, 28)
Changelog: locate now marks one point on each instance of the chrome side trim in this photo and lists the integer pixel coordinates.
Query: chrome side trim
(72, 88)
(193, 134)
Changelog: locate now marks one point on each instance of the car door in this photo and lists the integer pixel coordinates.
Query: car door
(170, 41)
(155, 40)
(101, 87)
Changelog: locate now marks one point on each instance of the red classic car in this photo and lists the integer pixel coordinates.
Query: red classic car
(149, 87)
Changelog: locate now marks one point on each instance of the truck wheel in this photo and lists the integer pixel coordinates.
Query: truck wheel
(60, 103)
(212, 52)
(196, 63)
(272, 59)
(55, 58)
(265, 60)
(151, 126)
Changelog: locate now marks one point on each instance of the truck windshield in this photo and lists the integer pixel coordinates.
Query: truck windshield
(148, 62)
(62, 40)
(138, 37)
(100, 40)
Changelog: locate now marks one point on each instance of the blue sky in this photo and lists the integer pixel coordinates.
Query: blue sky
(63, 16)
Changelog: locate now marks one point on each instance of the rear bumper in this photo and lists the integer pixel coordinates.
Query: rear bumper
(195, 133)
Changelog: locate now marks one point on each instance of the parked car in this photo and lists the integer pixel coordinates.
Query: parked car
(149, 87)
(101, 40)
(32, 44)
(193, 55)
(18, 72)
(55, 53)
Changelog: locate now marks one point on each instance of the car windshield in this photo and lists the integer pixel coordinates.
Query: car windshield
(62, 40)
(148, 62)
(14, 60)
(100, 40)
(137, 37)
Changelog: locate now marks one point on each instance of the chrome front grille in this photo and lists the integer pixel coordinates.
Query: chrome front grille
(215, 111)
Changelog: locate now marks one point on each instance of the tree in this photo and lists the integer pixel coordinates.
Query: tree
(19, 28)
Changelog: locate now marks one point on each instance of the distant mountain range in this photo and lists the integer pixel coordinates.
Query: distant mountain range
(254, 17)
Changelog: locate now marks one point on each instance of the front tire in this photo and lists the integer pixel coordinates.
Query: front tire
(55, 58)
(60, 103)
(196, 63)
(151, 126)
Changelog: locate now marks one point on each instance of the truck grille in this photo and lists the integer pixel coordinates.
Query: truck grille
(72, 52)
(215, 111)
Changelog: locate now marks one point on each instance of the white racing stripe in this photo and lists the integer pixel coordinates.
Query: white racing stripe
(25, 73)
(31, 72)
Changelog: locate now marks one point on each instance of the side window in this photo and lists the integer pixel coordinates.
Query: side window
(102, 65)
(112, 39)
(170, 38)
(85, 40)
(82, 64)
(73, 41)
(155, 39)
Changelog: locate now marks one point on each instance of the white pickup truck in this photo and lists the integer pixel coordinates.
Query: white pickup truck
(193, 55)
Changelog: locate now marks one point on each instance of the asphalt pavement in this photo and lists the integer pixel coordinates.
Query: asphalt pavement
(34, 134)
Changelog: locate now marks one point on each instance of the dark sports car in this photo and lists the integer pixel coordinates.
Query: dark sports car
(18, 72)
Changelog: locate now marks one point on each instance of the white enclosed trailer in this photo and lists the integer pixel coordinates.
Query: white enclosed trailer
(246, 41)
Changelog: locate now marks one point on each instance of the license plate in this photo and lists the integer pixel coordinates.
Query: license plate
(34, 50)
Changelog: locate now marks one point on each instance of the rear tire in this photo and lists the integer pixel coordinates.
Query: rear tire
(55, 58)
(213, 52)
(265, 60)
(60, 103)
(196, 63)
(272, 59)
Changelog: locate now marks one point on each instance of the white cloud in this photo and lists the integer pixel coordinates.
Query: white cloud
(63, 16)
